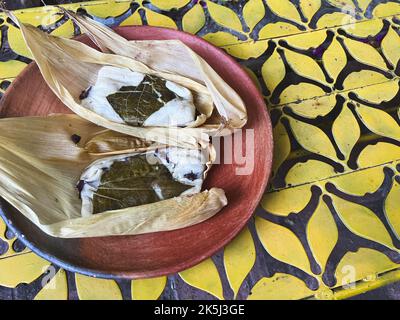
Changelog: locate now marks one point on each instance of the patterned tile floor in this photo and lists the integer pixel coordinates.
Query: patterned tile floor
(328, 226)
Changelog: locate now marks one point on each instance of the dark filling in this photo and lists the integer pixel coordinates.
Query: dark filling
(75, 138)
(134, 104)
(134, 182)
(191, 176)
(85, 93)
(80, 186)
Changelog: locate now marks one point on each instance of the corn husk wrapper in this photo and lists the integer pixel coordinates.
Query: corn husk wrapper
(69, 67)
(171, 56)
(40, 166)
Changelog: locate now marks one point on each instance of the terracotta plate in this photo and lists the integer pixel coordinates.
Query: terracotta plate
(159, 253)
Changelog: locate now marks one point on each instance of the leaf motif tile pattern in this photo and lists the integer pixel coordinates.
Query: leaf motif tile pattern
(329, 71)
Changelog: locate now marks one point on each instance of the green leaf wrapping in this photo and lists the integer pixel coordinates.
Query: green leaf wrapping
(135, 104)
(133, 182)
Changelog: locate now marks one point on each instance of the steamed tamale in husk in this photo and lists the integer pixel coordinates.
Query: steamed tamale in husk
(136, 99)
(73, 178)
(170, 56)
(133, 179)
(137, 90)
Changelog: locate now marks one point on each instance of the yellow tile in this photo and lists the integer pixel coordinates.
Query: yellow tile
(282, 244)
(205, 277)
(23, 268)
(280, 287)
(97, 289)
(239, 258)
(148, 289)
(55, 289)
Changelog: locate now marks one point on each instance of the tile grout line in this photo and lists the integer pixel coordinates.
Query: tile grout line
(41, 9)
(339, 288)
(50, 8)
(17, 254)
(298, 102)
(311, 30)
(333, 177)
(97, 3)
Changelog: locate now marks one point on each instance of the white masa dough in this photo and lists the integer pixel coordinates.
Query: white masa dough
(177, 112)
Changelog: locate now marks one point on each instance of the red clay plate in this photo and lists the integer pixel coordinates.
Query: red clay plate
(160, 253)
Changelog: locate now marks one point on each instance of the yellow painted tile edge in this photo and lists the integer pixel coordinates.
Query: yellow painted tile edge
(363, 286)
(70, 5)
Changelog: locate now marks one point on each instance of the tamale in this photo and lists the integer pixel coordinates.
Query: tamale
(71, 69)
(170, 56)
(124, 96)
(129, 180)
(43, 159)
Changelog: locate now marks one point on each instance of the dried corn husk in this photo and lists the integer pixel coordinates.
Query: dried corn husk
(69, 67)
(171, 56)
(41, 162)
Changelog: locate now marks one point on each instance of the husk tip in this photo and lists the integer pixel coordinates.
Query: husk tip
(63, 10)
(8, 13)
(71, 14)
